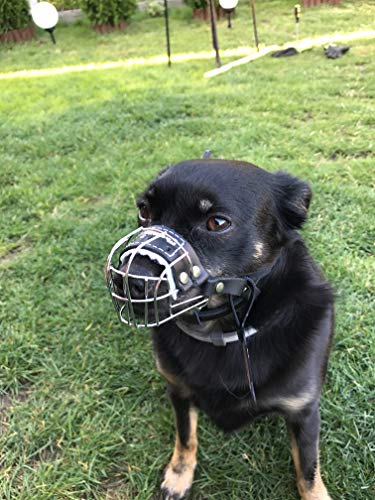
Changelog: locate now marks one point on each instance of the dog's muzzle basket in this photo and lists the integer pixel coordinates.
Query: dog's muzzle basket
(175, 289)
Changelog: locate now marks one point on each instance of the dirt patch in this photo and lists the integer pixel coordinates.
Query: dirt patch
(112, 490)
(116, 487)
(7, 401)
(98, 200)
(48, 454)
(7, 255)
(342, 154)
(308, 116)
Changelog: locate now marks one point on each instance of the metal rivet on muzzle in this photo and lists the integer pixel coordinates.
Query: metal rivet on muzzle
(195, 272)
(184, 278)
(219, 287)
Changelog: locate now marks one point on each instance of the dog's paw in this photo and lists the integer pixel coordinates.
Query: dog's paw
(317, 492)
(177, 482)
(316, 496)
(167, 495)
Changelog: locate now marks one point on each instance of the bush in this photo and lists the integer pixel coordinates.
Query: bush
(108, 11)
(200, 4)
(66, 4)
(14, 15)
(154, 8)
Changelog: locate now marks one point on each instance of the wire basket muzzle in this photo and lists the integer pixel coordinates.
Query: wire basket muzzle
(157, 277)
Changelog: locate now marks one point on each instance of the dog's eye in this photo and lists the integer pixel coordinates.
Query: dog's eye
(144, 213)
(217, 224)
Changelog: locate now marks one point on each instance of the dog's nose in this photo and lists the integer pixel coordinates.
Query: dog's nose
(140, 278)
(138, 288)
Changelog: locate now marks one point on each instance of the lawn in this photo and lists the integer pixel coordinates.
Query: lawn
(83, 412)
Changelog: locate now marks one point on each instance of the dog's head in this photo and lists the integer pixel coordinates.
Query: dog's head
(235, 215)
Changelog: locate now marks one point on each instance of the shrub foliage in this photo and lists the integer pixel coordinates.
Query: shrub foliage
(108, 11)
(66, 4)
(14, 15)
(154, 8)
(200, 4)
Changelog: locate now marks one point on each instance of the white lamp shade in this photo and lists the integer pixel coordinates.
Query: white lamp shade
(44, 15)
(228, 4)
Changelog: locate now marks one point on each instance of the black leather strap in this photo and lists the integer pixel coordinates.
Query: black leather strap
(241, 288)
(232, 286)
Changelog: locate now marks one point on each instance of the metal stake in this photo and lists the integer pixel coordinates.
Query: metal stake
(229, 18)
(50, 31)
(167, 32)
(215, 43)
(297, 16)
(252, 2)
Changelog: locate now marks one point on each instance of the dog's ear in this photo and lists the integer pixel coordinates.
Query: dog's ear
(163, 171)
(292, 199)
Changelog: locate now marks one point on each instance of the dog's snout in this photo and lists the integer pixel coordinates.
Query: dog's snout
(138, 288)
(140, 276)
(118, 283)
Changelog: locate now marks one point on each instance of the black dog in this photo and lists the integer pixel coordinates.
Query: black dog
(239, 219)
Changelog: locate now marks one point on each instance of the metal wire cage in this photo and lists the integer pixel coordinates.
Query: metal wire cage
(159, 298)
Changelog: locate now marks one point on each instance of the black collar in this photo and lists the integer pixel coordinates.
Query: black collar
(243, 289)
(215, 337)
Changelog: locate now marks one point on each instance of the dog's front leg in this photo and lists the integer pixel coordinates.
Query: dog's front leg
(304, 432)
(178, 476)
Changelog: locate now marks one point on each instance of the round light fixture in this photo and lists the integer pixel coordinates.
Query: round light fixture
(228, 4)
(44, 15)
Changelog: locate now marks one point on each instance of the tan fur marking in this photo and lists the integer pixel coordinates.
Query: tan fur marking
(316, 491)
(300, 205)
(296, 403)
(172, 379)
(296, 458)
(205, 205)
(179, 473)
(258, 249)
(168, 376)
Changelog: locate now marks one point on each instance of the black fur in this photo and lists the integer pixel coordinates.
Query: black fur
(293, 314)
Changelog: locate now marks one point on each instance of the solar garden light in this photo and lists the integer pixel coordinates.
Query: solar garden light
(297, 16)
(228, 6)
(45, 16)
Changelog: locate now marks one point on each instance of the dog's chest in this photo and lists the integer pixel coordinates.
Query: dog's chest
(212, 378)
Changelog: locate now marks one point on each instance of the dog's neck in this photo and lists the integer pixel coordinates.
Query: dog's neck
(224, 323)
(213, 332)
(223, 330)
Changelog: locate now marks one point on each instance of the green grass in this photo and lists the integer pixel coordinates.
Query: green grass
(146, 36)
(85, 413)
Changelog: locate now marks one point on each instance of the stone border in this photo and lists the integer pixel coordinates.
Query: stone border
(21, 35)
(70, 16)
